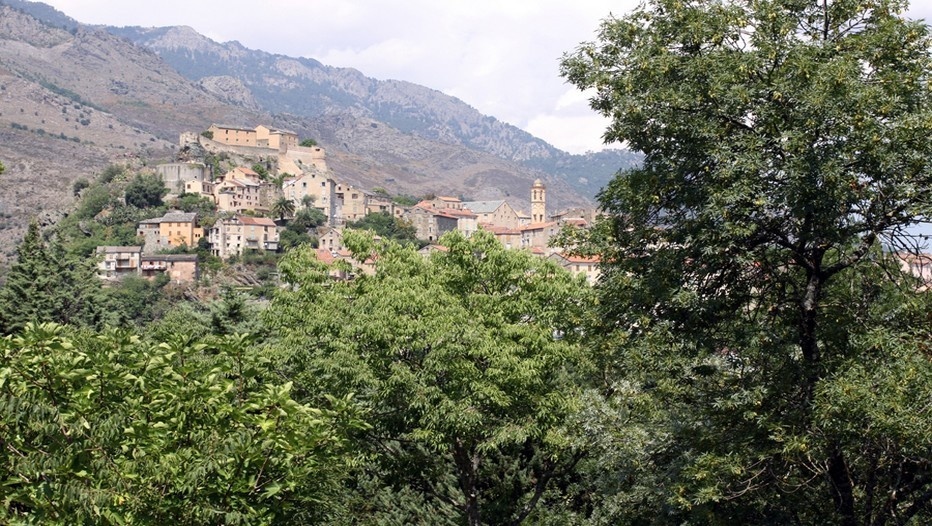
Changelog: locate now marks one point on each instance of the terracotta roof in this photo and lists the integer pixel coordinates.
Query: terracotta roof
(255, 221)
(324, 256)
(538, 226)
(497, 230)
(447, 198)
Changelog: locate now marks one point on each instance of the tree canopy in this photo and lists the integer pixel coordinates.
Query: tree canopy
(463, 359)
(145, 191)
(787, 149)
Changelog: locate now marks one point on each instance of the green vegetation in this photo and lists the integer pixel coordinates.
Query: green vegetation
(207, 134)
(387, 226)
(145, 191)
(283, 207)
(747, 294)
(109, 429)
(307, 143)
(754, 351)
(455, 360)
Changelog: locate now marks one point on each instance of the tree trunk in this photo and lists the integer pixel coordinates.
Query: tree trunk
(842, 488)
(467, 465)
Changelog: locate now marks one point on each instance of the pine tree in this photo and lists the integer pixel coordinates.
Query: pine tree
(46, 284)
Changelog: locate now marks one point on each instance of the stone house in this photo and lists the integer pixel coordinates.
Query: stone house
(587, 266)
(498, 213)
(349, 203)
(315, 184)
(180, 268)
(275, 139)
(234, 135)
(231, 236)
(431, 223)
(330, 238)
(176, 176)
(538, 235)
(172, 230)
(115, 263)
(238, 195)
(508, 237)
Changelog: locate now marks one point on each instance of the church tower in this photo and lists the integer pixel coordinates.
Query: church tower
(538, 202)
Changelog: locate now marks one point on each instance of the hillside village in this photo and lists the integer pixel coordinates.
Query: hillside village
(296, 177)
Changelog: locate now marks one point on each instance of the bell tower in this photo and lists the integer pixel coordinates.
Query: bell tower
(538, 202)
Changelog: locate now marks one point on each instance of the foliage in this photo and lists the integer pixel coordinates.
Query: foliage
(283, 207)
(457, 357)
(145, 191)
(387, 226)
(784, 142)
(289, 238)
(46, 284)
(94, 200)
(207, 134)
(107, 429)
(406, 200)
(136, 301)
(79, 185)
(261, 169)
(307, 143)
(111, 173)
(2, 168)
(201, 204)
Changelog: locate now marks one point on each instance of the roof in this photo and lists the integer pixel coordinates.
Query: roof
(245, 170)
(255, 221)
(179, 217)
(448, 199)
(498, 230)
(483, 207)
(240, 128)
(324, 256)
(570, 258)
(116, 249)
(170, 257)
(538, 226)
(151, 221)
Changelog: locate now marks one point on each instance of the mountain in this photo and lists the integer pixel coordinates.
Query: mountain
(75, 98)
(305, 87)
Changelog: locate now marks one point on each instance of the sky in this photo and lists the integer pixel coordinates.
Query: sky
(499, 56)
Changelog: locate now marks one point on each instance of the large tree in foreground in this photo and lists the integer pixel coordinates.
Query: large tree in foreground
(465, 360)
(785, 143)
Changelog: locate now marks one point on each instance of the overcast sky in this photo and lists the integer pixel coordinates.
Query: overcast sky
(499, 56)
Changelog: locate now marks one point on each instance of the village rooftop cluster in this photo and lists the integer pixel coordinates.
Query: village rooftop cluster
(302, 176)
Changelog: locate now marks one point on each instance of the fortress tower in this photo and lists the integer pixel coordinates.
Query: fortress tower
(538, 202)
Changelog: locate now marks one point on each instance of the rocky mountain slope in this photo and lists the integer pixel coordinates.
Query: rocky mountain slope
(305, 87)
(74, 99)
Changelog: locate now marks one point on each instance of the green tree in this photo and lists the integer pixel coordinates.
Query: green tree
(307, 143)
(2, 168)
(107, 429)
(464, 359)
(145, 191)
(784, 143)
(283, 207)
(47, 284)
(387, 226)
(79, 185)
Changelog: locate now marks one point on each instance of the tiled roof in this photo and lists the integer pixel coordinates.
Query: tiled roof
(115, 249)
(179, 217)
(240, 128)
(483, 207)
(170, 257)
(256, 221)
(538, 226)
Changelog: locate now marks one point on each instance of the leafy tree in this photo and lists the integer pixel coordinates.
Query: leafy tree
(387, 226)
(283, 207)
(46, 284)
(201, 204)
(457, 357)
(307, 201)
(145, 191)
(307, 143)
(107, 429)
(207, 134)
(79, 185)
(784, 143)
(110, 173)
(2, 168)
(261, 169)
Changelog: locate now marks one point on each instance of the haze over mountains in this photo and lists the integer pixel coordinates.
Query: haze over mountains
(137, 88)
